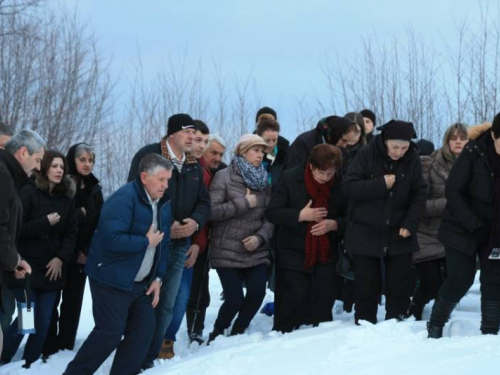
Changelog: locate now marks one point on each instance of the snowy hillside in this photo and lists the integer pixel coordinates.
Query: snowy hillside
(339, 347)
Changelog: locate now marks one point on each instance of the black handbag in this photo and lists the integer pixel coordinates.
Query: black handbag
(344, 266)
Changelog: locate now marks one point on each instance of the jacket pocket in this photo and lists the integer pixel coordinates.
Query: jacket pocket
(108, 262)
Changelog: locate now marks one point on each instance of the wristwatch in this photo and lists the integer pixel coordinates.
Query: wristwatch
(159, 280)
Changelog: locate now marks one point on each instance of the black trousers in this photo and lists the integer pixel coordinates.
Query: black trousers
(199, 298)
(236, 302)
(369, 283)
(68, 315)
(123, 321)
(304, 297)
(461, 271)
(430, 278)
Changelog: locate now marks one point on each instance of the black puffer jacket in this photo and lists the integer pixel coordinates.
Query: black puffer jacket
(284, 209)
(470, 191)
(376, 213)
(39, 241)
(188, 194)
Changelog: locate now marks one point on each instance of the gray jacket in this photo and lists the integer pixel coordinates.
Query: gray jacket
(436, 170)
(233, 220)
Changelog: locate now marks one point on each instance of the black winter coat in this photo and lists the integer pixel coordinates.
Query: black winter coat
(300, 149)
(286, 203)
(189, 195)
(12, 176)
(376, 214)
(276, 168)
(39, 242)
(470, 190)
(92, 200)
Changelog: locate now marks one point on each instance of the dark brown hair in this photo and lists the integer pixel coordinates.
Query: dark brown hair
(325, 156)
(267, 124)
(49, 156)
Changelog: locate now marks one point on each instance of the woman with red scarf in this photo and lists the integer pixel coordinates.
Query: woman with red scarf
(309, 211)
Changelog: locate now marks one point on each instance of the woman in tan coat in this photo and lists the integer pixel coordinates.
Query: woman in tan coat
(240, 234)
(430, 259)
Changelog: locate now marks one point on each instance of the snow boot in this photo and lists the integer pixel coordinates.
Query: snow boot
(440, 315)
(490, 317)
(167, 350)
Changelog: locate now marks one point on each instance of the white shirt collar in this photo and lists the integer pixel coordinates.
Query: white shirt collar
(151, 201)
(172, 155)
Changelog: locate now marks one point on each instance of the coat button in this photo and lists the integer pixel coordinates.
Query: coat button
(387, 222)
(391, 194)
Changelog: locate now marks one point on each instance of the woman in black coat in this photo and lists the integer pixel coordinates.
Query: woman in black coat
(470, 229)
(47, 242)
(88, 202)
(309, 209)
(387, 193)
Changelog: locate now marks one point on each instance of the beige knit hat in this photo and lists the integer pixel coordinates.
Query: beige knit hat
(248, 141)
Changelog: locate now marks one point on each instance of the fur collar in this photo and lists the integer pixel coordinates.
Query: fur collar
(67, 187)
(478, 130)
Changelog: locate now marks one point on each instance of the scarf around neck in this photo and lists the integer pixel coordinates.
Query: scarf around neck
(317, 247)
(254, 177)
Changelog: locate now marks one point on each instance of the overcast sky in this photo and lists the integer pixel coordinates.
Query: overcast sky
(281, 42)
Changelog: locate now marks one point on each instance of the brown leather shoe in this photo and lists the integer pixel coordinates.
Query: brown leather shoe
(167, 350)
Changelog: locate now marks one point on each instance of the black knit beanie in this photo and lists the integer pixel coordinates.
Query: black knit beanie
(266, 110)
(368, 113)
(400, 130)
(179, 122)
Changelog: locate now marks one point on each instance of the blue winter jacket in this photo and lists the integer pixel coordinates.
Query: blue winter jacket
(119, 243)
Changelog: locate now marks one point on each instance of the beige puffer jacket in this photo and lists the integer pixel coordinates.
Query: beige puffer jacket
(233, 220)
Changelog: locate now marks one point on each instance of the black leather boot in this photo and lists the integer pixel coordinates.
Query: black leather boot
(195, 321)
(490, 317)
(237, 330)
(213, 335)
(416, 310)
(441, 312)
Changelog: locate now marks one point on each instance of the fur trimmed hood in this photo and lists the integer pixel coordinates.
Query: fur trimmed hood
(67, 187)
(477, 131)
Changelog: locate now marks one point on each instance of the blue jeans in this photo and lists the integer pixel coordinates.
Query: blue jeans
(117, 314)
(44, 307)
(181, 303)
(168, 294)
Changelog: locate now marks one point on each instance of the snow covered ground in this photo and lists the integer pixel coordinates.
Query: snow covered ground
(338, 347)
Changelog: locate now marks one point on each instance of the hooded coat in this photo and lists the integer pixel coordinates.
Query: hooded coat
(90, 197)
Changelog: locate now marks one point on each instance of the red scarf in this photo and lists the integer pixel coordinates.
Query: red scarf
(316, 246)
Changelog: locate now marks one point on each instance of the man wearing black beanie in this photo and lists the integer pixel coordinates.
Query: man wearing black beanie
(387, 195)
(190, 204)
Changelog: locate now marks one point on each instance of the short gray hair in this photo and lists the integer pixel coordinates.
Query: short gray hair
(6, 129)
(216, 138)
(152, 162)
(25, 138)
(83, 147)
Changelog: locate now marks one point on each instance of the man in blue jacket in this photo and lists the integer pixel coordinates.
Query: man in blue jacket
(126, 265)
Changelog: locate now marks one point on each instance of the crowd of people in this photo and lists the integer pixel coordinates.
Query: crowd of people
(343, 213)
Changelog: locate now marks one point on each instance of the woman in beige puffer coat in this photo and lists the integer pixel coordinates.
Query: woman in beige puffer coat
(240, 234)
(429, 260)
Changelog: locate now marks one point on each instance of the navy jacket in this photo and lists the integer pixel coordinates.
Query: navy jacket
(119, 243)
